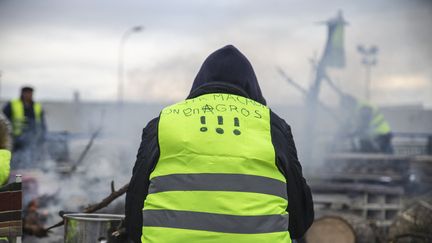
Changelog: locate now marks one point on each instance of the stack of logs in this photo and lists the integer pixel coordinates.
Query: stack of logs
(361, 198)
(414, 224)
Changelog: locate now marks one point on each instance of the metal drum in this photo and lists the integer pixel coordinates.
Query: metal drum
(91, 228)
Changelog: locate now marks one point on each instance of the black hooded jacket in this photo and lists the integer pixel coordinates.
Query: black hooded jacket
(226, 70)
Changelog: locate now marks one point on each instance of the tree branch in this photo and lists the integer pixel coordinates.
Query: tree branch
(102, 204)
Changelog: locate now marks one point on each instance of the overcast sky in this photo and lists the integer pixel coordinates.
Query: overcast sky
(62, 46)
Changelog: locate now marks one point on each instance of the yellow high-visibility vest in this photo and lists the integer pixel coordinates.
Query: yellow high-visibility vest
(216, 179)
(18, 116)
(378, 125)
(5, 157)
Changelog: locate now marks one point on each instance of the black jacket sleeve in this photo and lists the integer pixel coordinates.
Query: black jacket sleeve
(148, 154)
(300, 204)
(7, 110)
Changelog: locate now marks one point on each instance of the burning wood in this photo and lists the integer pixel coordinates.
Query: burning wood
(102, 204)
(33, 220)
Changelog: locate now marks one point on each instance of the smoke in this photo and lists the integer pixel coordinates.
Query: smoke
(51, 179)
(111, 157)
(171, 78)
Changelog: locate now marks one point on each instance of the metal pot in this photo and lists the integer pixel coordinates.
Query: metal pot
(91, 228)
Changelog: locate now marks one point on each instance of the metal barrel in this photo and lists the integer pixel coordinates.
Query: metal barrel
(91, 228)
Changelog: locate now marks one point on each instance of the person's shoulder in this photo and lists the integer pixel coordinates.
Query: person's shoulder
(151, 128)
(8, 103)
(152, 124)
(279, 123)
(153, 121)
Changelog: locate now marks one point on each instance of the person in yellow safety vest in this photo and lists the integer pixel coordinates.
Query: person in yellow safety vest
(5, 156)
(27, 119)
(219, 166)
(5, 147)
(366, 126)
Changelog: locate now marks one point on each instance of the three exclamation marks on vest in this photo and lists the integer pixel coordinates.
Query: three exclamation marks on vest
(220, 121)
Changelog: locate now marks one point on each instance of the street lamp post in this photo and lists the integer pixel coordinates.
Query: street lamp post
(124, 38)
(369, 60)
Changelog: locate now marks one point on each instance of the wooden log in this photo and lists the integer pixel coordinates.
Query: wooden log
(335, 227)
(415, 221)
(330, 229)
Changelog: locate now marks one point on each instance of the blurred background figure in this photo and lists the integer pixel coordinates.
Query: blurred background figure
(28, 125)
(5, 149)
(365, 126)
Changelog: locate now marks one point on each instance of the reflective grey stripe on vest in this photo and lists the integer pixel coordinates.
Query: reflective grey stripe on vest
(218, 182)
(215, 222)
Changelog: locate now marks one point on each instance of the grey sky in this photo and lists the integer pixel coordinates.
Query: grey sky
(61, 46)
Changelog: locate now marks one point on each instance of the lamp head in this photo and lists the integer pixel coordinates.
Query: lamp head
(138, 28)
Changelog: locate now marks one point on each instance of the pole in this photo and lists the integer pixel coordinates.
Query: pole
(120, 67)
(369, 60)
(368, 81)
(305, 93)
(120, 70)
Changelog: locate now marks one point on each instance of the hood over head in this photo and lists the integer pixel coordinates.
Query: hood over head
(230, 68)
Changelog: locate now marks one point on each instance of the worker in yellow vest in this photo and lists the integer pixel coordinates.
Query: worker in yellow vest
(5, 150)
(366, 126)
(27, 119)
(219, 166)
(5, 156)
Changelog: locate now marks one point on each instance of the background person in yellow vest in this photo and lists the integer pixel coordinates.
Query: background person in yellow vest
(366, 126)
(28, 126)
(5, 156)
(5, 148)
(26, 117)
(219, 166)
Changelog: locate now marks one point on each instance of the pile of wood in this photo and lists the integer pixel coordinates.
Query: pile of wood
(360, 198)
(421, 169)
(378, 203)
(414, 224)
(33, 221)
(368, 167)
